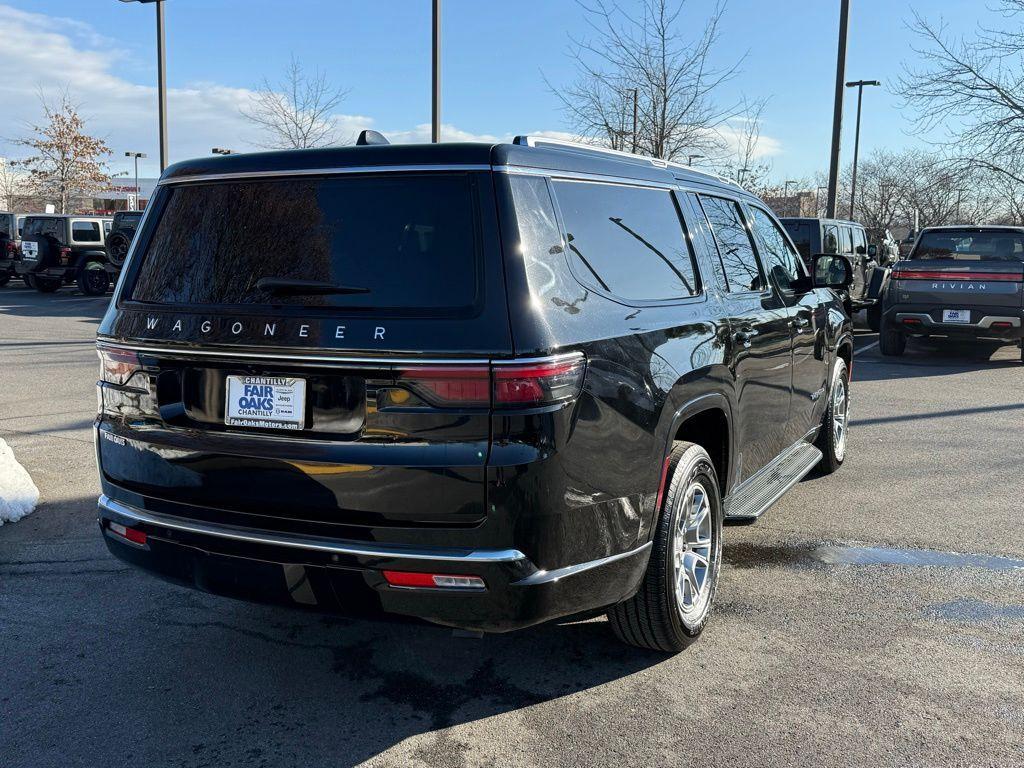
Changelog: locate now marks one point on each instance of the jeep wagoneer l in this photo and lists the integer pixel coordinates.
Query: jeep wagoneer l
(482, 385)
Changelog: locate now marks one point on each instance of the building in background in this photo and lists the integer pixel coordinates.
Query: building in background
(798, 204)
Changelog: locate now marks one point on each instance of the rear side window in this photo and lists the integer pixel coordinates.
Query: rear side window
(860, 240)
(395, 242)
(627, 241)
(735, 248)
(6, 225)
(845, 241)
(969, 246)
(85, 231)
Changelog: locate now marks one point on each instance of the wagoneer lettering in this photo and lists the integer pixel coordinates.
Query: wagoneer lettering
(488, 386)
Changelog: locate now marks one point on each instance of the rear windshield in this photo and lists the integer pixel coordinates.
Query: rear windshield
(385, 242)
(965, 245)
(52, 227)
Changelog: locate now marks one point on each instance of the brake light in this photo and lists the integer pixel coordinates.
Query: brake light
(538, 383)
(909, 273)
(11, 247)
(65, 253)
(503, 384)
(117, 365)
(413, 580)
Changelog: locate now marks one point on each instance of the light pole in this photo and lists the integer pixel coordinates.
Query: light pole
(136, 156)
(859, 85)
(435, 117)
(161, 64)
(691, 158)
(837, 112)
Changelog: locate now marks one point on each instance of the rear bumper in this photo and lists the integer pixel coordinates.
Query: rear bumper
(346, 576)
(986, 323)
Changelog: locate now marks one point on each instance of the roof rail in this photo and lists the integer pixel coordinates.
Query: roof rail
(577, 146)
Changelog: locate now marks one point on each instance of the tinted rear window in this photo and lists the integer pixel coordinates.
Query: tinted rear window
(970, 246)
(52, 227)
(409, 241)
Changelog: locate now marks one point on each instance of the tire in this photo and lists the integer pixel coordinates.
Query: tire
(835, 423)
(874, 316)
(29, 279)
(657, 616)
(5, 279)
(891, 343)
(45, 284)
(93, 279)
(117, 248)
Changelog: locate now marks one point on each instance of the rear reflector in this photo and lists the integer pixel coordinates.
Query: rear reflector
(131, 534)
(1001, 325)
(538, 382)
(911, 321)
(903, 273)
(433, 580)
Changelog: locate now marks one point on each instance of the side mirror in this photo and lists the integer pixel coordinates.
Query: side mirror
(861, 250)
(832, 272)
(872, 250)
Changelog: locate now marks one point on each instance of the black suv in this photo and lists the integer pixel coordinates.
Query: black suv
(961, 282)
(122, 232)
(10, 237)
(849, 239)
(484, 385)
(58, 249)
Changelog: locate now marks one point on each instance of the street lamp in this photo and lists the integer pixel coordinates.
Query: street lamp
(435, 116)
(691, 158)
(859, 85)
(136, 156)
(161, 65)
(222, 151)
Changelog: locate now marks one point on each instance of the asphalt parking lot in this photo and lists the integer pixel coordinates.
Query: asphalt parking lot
(874, 617)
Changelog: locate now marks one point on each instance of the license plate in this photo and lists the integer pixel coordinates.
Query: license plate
(271, 402)
(30, 249)
(956, 315)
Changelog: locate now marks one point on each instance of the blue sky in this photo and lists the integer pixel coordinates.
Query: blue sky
(494, 56)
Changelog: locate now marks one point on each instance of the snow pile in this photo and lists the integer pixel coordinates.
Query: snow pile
(18, 494)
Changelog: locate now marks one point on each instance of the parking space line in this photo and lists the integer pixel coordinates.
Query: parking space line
(862, 350)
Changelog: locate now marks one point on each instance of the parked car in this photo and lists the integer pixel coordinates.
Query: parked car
(122, 232)
(883, 247)
(10, 244)
(813, 236)
(483, 385)
(58, 249)
(958, 282)
(907, 243)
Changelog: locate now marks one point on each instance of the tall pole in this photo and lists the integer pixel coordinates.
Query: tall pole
(161, 82)
(856, 150)
(138, 197)
(635, 110)
(837, 113)
(435, 127)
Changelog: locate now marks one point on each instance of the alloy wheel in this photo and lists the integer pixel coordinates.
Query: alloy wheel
(693, 546)
(840, 413)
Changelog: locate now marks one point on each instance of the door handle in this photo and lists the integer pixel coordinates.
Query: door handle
(745, 336)
(800, 323)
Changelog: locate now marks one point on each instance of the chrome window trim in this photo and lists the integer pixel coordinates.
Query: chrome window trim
(319, 544)
(335, 171)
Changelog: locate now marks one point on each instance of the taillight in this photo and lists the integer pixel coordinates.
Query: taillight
(133, 535)
(117, 365)
(11, 247)
(539, 382)
(65, 253)
(909, 273)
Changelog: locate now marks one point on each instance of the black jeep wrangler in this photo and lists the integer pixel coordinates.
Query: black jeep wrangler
(484, 385)
(58, 249)
(122, 232)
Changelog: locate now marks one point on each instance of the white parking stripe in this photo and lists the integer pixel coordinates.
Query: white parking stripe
(862, 350)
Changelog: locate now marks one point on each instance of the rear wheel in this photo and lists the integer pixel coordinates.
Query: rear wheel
(45, 284)
(832, 437)
(891, 342)
(674, 601)
(93, 279)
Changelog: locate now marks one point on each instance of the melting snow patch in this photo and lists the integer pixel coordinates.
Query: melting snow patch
(18, 494)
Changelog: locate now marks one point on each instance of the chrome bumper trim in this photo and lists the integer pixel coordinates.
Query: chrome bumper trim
(546, 577)
(106, 504)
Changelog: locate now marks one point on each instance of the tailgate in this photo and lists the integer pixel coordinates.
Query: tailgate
(946, 284)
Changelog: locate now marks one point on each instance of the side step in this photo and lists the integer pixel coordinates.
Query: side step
(757, 494)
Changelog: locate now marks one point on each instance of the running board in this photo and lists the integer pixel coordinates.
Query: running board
(762, 490)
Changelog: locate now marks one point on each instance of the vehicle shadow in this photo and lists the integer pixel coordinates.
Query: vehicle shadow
(207, 679)
(68, 302)
(935, 357)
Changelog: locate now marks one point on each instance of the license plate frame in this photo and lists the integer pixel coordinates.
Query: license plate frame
(956, 316)
(29, 250)
(265, 402)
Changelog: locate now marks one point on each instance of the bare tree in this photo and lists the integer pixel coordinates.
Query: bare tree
(12, 187)
(645, 57)
(297, 113)
(67, 163)
(972, 88)
(745, 162)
